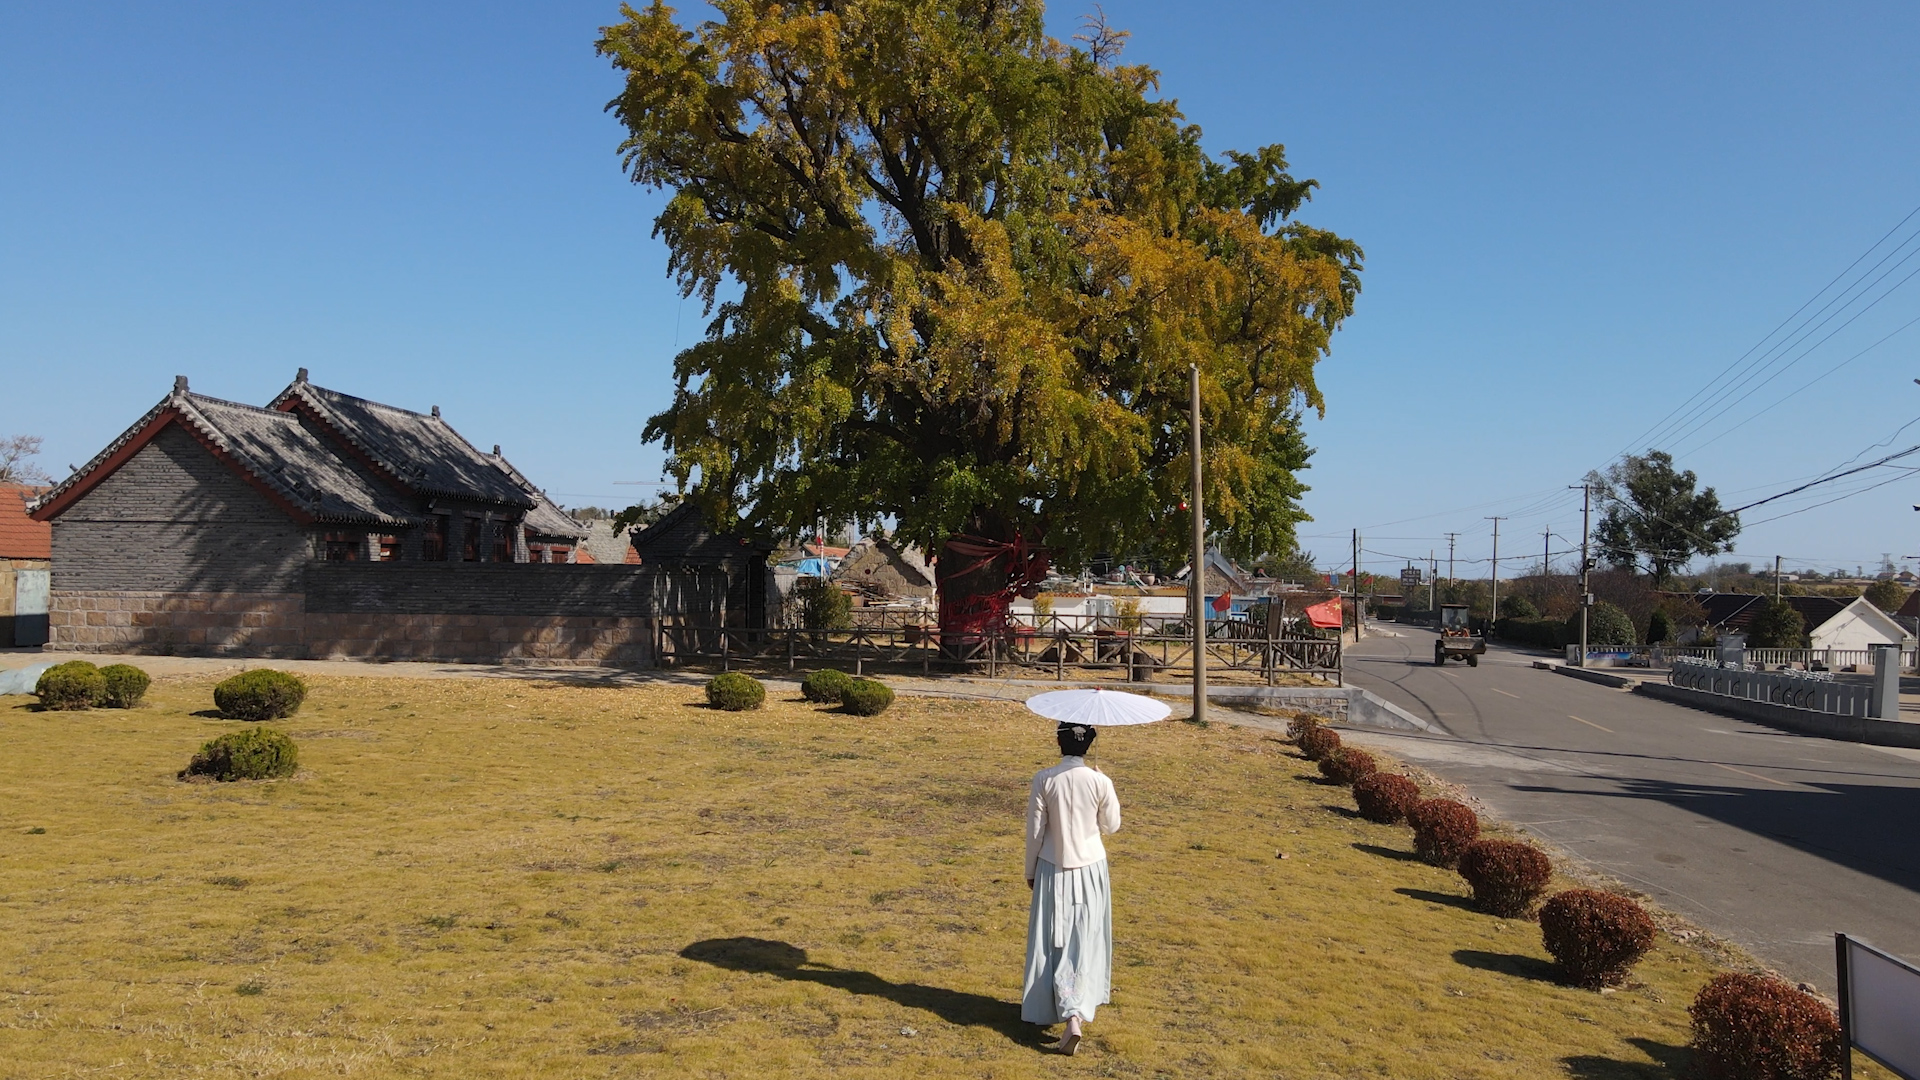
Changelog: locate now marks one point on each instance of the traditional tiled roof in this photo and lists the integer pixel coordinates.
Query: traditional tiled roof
(684, 534)
(273, 450)
(21, 537)
(421, 451)
(546, 518)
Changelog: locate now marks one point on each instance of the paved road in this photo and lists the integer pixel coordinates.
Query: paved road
(1772, 840)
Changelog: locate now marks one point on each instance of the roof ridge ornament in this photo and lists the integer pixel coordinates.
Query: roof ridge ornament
(180, 384)
(300, 376)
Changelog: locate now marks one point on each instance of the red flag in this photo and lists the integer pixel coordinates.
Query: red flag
(1326, 616)
(1222, 603)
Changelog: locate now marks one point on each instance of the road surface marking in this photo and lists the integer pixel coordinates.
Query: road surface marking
(1590, 723)
(1497, 690)
(1744, 772)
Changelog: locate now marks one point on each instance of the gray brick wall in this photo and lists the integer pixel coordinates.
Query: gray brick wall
(174, 518)
(402, 588)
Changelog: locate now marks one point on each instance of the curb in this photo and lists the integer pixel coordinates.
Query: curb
(1618, 682)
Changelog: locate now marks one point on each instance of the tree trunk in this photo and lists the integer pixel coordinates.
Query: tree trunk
(978, 575)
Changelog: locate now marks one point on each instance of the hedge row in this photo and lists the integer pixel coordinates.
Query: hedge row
(1745, 1027)
(735, 691)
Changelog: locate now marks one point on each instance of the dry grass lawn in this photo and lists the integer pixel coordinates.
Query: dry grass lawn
(502, 879)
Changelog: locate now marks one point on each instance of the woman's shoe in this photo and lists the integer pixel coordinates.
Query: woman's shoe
(1070, 1041)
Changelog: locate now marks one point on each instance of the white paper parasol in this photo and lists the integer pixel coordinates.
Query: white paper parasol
(1098, 708)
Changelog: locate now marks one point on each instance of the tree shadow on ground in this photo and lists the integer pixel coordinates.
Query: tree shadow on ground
(1387, 852)
(1344, 811)
(1525, 967)
(1669, 1063)
(1464, 903)
(761, 956)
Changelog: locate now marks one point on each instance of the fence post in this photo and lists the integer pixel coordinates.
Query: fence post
(725, 655)
(859, 654)
(1885, 704)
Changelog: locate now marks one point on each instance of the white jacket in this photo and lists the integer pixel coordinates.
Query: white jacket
(1068, 807)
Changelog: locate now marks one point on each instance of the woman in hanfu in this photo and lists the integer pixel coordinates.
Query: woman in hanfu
(1070, 925)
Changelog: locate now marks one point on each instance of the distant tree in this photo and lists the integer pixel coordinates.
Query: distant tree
(1606, 625)
(14, 466)
(1515, 606)
(641, 515)
(1887, 595)
(1296, 565)
(1659, 627)
(823, 605)
(1777, 626)
(1654, 515)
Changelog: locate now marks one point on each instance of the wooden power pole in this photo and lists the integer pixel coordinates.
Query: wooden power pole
(1197, 583)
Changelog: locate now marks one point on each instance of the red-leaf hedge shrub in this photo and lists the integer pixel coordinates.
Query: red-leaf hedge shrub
(1347, 764)
(1318, 742)
(1506, 876)
(1751, 1027)
(1385, 797)
(1301, 724)
(1595, 936)
(1442, 829)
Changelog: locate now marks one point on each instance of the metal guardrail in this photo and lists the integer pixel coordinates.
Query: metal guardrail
(1809, 659)
(1813, 690)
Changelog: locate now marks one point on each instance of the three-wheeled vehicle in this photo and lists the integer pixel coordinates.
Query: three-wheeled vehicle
(1457, 639)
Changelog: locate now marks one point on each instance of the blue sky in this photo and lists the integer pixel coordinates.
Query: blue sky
(1574, 218)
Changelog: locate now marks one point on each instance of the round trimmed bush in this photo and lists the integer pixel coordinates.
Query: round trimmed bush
(735, 692)
(865, 697)
(1752, 1027)
(1596, 937)
(1318, 742)
(1301, 724)
(1442, 829)
(253, 754)
(1348, 764)
(126, 685)
(825, 686)
(260, 694)
(1385, 797)
(75, 684)
(1506, 876)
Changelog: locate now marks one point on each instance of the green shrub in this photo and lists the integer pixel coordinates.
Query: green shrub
(1318, 742)
(1348, 764)
(1515, 606)
(126, 685)
(1442, 829)
(865, 697)
(1536, 633)
(1606, 625)
(1755, 1027)
(1659, 627)
(1596, 937)
(260, 694)
(253, 754)
(1385, 797)
(1778, 625)
(823, 605)
(735, 692)
(1506, 875)
(75, 684)
(825, 686)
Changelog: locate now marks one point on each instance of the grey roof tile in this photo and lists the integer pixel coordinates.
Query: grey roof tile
(422, 451)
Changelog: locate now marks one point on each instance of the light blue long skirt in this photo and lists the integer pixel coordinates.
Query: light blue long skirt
(1069, 944)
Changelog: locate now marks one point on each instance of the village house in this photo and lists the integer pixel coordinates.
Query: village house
(1831, 622)
(329, 525)
(26, 551)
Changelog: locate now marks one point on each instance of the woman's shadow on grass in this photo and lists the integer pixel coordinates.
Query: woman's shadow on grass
(785, 961)
(1668, 1061)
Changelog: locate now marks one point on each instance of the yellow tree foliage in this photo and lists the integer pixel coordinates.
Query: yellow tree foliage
(956, 271)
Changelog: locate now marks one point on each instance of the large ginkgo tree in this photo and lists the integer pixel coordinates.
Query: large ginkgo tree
(956, 272)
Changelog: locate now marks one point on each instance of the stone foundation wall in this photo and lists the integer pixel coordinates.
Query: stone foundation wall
(178, 623)
(491, 639)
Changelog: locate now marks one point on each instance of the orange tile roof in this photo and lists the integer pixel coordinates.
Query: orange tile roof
(21, 537)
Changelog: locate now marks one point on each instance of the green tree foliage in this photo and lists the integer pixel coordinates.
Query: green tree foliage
(956, 272)
(1659, 627)
(1887, 595)
(1606, 625)
(1515, 606)
(1777, 626)
(823, 605)
(1654, 516)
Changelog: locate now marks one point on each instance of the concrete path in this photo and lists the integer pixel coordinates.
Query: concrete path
(1771, 840)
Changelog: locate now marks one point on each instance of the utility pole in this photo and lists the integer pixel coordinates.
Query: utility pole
(1586, 565)
(1450, 539)
(1356, 585)
(1776, 579)
(1494, 604)
(1433, 572)
(1546, 554)
(1197, 584)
